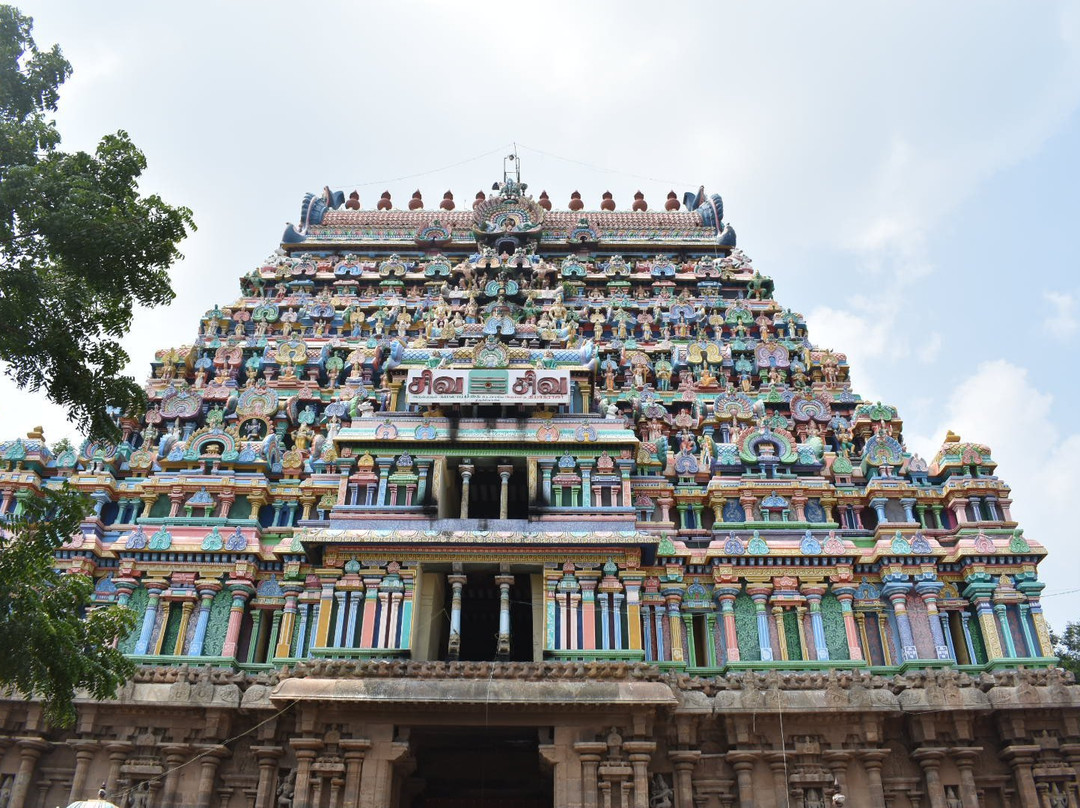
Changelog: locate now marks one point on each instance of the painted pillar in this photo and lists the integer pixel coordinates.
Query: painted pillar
(908, 504)
(457, 581)
(726, 595)
(504, 491)
(355, 596)
(466, 470)
(928, 591)
(338, 640)
(817, 626)
(846, 594)
(502, 647)
(1032, 589)
(616, 620)
(588, 614)
(710, 636)
(154, 588)
(282, 649)
(659, 615)
(206, 590)
(369, 638)
(674, 599)
(383, 464)
(781, 631)
(760, 595)
(1000, 611)
(605, 621)
(647, 640)
(896, 592)
(586, 483)
(185, 618)
(326, 611)
(241, 591)
(633, 613)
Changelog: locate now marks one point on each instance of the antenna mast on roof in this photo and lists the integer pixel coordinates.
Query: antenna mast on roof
(512, 163)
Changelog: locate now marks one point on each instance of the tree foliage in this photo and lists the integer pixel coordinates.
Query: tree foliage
(79, 246)
(1067, 647)
(51, 642)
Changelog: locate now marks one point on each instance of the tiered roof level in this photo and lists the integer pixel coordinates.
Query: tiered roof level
(603, 417)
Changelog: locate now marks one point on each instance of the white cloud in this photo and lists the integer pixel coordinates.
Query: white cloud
(1001, 406)
(1061, 320)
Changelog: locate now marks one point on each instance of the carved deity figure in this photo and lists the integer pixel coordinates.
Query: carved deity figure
(660, 794)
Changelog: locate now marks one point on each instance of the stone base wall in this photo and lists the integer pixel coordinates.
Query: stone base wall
(341, 735)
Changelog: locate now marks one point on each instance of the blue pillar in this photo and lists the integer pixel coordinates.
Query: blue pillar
(896, 592)
(199, 639)
(149, 618)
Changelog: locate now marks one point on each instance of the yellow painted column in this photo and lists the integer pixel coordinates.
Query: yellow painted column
(633, 613)
(326, 608)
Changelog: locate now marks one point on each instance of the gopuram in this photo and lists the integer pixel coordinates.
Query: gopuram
(499, 505)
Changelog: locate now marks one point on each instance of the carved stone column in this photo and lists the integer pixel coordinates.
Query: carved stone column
(305, 749)
(354, 750)
(85, 751)
(208, 766)
(930, 760)
(267, 757)
(175, 755)
(30, 750)
(118, 753)
(965, 757)
(743, 764)
(640, 753)
(873, 760)
(589, 752)
(683, 761)
(837, 761)
(778, 766)
(1020, 758)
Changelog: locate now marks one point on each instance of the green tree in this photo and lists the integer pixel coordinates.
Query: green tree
(51, 642)
(1067, 647)
(79, 246)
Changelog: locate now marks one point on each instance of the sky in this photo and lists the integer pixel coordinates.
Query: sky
(907, 173)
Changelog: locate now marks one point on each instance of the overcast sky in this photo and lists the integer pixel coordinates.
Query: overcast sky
(908, 173)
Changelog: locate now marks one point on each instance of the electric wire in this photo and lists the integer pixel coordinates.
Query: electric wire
(122, 795)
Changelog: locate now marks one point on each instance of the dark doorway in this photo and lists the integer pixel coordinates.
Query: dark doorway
(477, 768)
(485, 489)
(480, 618)
(485, 492)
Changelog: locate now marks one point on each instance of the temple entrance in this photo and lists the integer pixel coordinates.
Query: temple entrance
(480, 614)
(487, 488)
(477, 768)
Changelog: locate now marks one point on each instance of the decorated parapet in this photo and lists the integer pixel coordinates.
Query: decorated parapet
(605, 414)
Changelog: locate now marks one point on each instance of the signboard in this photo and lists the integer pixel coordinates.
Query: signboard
(488, 386)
